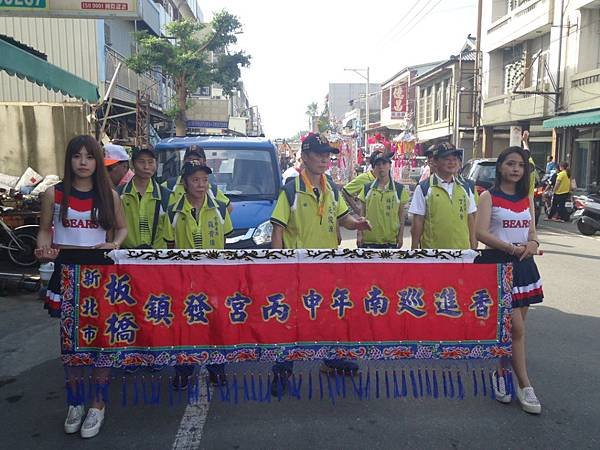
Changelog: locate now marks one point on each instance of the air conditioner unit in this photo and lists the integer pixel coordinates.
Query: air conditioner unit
(217, 92)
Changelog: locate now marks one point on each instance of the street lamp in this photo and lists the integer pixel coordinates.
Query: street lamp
(359, 73)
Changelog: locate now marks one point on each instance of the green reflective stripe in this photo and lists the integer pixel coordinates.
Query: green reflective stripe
(16, 61)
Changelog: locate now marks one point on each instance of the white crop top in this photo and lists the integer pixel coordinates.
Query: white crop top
(511, 217)
(78, 230)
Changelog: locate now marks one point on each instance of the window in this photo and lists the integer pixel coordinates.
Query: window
(513, 63)
(499, 9)
(421, 105)
(429, 105)
(107, 39)
(437, 116)
(445, 98)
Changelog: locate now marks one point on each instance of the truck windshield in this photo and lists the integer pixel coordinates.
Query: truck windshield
(243, 174)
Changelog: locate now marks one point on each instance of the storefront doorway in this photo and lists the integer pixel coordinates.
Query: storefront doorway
(586, 160)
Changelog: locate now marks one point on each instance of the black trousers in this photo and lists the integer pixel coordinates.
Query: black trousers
(558, 206)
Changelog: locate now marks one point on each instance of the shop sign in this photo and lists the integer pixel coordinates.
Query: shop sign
(70, 8)
(399, 101)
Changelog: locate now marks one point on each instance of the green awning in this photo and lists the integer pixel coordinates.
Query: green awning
(573, 120)
(16, 61)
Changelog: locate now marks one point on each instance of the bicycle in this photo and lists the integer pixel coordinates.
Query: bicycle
(19, 243)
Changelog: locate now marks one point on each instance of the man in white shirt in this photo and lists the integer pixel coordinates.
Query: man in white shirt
(443, 206)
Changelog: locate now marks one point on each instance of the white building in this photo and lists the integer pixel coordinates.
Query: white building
(39, 113)
(445, 101)
(518, 66)
(576, 128)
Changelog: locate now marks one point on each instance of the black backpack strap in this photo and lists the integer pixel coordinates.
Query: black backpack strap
(171, 183)
(425, 186)
(119, 190)
(334, 188)
(214, 189)
(222, 207)
(399, 188)
(471, 186)
(290, 191)
(165, 195)
(164, 204)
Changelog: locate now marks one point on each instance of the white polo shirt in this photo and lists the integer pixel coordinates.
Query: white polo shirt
(419, 206)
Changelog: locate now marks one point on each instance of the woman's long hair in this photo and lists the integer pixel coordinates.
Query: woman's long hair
(103, 211)
(522, 188)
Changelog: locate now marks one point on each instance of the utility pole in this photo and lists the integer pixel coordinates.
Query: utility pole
(477, 84)
(557, 104)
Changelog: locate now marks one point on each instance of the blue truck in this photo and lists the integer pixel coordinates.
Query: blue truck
(246, 169)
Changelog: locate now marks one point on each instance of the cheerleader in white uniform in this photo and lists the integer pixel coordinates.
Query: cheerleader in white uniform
(505, 223)
(81, 212)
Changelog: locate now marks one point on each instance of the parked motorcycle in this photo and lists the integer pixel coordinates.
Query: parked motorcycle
(588, 217)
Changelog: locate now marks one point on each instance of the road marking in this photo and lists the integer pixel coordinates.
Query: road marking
(192, 423)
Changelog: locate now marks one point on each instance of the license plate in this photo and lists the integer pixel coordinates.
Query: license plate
(568, 204)
(578, 213)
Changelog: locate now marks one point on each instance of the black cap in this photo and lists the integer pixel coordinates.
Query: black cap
(194, 150)
(191, 167)
(444, 149)
(379, 156)
(315, 143)
(138, 151)
(429, 151)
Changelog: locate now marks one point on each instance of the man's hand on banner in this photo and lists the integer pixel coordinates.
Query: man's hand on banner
(363, 224)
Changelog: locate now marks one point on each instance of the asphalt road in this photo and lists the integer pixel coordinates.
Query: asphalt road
(564, 365)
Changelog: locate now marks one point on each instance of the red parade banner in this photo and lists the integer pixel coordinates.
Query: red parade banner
(284, 305)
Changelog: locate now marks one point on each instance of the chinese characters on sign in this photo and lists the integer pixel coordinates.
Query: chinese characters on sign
(113, 312)
(399, 101)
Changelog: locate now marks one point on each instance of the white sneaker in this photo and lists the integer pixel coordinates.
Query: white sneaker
(500, 391)
(529, 402)
(92, 423)
(74, 418)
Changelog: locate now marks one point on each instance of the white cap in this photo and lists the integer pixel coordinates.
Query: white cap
(114, 154)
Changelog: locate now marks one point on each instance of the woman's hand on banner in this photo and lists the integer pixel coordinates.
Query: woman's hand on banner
(45, 254)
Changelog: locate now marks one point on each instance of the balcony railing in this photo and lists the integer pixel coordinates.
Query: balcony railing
(585, 78)
(128, 82)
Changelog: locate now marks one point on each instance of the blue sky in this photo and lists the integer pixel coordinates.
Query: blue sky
(298, 48)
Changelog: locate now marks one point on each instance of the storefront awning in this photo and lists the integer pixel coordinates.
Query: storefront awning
(16, 61)
(573, 120)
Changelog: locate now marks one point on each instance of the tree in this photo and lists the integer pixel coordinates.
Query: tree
(311, 111)
(187, 59)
